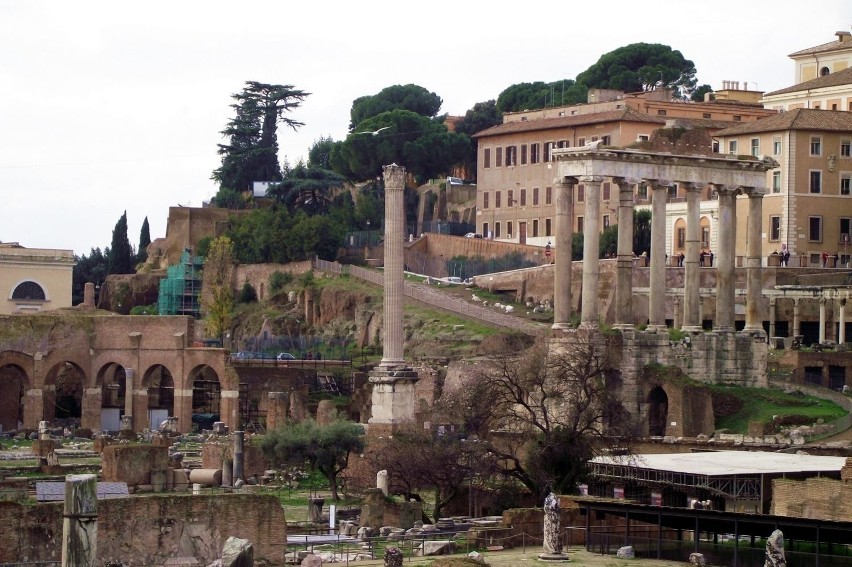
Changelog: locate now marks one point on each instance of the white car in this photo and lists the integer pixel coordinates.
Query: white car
(473, 235)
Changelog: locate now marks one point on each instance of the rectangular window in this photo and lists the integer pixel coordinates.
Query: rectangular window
(510, 198)
(509, 229)
(485, 232)
(511, 156)
(776, 146)
(606, 222)
(661, 112)
(774, 228)
(606, 191)
(580, 224)
(523, 154)
(497, 199)
(548, 195)
(844, 184)
(547, 146)
(548, 227)
(707, 115)
(845, 147)
(606, 141)
(535, 228)
(485, 200)
(845, 230)
(681, 237)
(498, 158)
(642, 191)
(486, 158)
(755, 147)
(671, 192)
(581, 193)
(523, 197)
(815, 229)
(732, 146)
(643, 138)
(705, 237)
(535, 196)
(816, 146)
(534, 157)
(776, 181)
(496, 230)
(816, 182)
(737, 118)
(581, 142)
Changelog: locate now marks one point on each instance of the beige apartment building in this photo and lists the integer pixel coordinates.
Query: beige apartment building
(808, 206)
(515, 171)
(34, 279)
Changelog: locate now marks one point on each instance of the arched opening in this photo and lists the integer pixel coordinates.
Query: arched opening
(679, 247)
(113, 381)
(658, 409)
(824, 71)
(704, 235)
(161, 395)
(206, 397)
(65, 403)
(13, 385)
(29, 291)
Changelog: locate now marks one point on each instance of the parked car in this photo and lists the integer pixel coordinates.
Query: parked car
(262, 356)
(285, 356)
(473, 235)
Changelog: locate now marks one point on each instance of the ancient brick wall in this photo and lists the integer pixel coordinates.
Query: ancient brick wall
(148, 531)
(213, 453)
(133, 463)
(818, 498)
(258, 275)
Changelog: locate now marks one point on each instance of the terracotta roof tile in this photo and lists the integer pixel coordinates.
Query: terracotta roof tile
(798, 119)
(624, 115)
(843, 77)
(830, 46)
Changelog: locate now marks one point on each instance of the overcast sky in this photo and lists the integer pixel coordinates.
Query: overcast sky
(107, 106)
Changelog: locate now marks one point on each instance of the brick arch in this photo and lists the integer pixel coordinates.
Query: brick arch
(76, 358)
(145, 376)
(14, 384)
(64, 399)
(658, 408)
(20, 359)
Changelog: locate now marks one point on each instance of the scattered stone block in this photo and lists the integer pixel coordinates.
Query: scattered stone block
(626, 552)
(393, 557)
(237, 553)
(697, 559)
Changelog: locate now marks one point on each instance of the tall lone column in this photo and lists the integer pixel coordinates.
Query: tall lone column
(841, 329)
(80, 526)
(822, 319)
(796, 316)
(657, 297)
(692, 277)
(725, 279)
(239, 455)
(773, 304)
(754, 285)
(591, 252)
(624, 265)
(394, 294)
(564, 233)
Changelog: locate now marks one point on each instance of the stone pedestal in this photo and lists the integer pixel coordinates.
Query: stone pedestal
(276, 409)
(394, 399)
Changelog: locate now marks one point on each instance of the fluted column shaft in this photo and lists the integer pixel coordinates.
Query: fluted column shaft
(394, 296)
(841, 330)
(822, 321)
(692, 280)
(591, 251)
(725, 281)
(754, 284)
(563, 267)
(657, 297)
(624, 266)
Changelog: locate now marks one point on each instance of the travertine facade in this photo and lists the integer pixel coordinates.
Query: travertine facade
(34, 279)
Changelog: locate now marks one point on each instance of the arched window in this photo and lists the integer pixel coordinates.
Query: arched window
(824, 71)
(29, 291)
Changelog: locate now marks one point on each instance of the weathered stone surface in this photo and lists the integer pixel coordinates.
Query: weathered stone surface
(311, 560)
(476, 556)
(775, 550)
(436, 547)
(626, 552)
(697, 559)
(326, 412)
(552, 542)
(393, 556)
(133, 463)
(237, 553)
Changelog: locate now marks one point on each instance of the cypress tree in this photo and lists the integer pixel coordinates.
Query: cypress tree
(121, 254)
(144, 241)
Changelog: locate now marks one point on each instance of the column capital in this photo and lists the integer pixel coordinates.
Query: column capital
(659, 183)
(691, 186)
(567, 180)
(726, 189)
(754, 192)
(592, 179)
(622, 181)
(394, 176)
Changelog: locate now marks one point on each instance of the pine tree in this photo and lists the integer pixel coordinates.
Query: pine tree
(121, 254)
(144, 241)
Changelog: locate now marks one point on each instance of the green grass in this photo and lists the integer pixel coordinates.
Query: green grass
(761, 404)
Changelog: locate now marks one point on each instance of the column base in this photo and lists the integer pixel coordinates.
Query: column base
(561, 327)
(589, 325)
(623, 326)
(657, 329)
(756, 332)
(692, 329)
(724, 329)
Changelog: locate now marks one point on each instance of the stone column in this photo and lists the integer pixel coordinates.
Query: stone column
(676, 319)
(624, 266)
(692, 276)
(91, 410)
(563, 267)
(239, 440)
(772, 307)
(394, 278)
(822, 302)
(725, 274)
(591, 252)
(657, 297)
(80, 524)
(754, 280)
(841, 329)
(276, 409)
(796, 316)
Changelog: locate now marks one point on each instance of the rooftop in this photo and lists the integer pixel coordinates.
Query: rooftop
(843, 41)
(623, 115)
(798, 119)
(727, 463)
(839, 78)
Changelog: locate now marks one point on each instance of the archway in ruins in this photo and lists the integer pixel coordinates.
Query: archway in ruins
(206, 397)
(13, 384)
(658, 409)
(161, 394)
(112, 379)
(65, 401)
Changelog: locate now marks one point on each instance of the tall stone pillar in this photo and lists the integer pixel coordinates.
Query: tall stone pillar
(129, 380)
(591, 252)
(772, 309)
(692, 277)
(796, 316)
(239, 455)
(677, 323)
(276, 409)
(624, 266)
(754, 280)
(80, 523)
(394, 277)
(657, 297)
(563, 267)
(822, 302)
(841, 329)
(393, 398)
(725, 274)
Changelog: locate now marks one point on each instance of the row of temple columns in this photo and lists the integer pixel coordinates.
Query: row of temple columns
(823, 302)
(725, 269)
